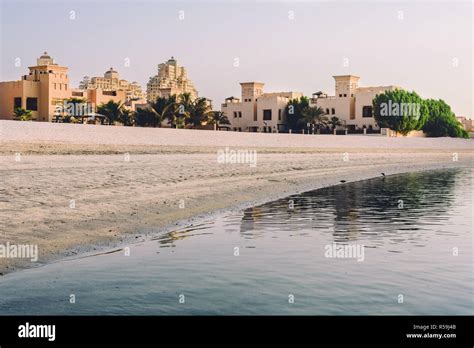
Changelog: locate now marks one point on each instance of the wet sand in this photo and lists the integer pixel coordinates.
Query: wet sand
(72, 189)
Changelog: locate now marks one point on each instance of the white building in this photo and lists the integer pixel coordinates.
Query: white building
(351, 104)
(258, 111)
(171, 79)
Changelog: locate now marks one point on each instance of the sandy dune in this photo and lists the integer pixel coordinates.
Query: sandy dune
(127, 182)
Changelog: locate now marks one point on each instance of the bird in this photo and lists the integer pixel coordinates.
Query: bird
(343, 181)
(383, 174)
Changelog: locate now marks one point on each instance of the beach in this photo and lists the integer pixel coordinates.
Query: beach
(73, 189)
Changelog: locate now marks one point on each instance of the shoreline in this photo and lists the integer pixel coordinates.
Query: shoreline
(137, 236)
(118, 201)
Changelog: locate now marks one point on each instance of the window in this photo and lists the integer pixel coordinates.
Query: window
(345, 95)
(235, 114)
(367, 111)
(240, 114)
(340, 95)
(16, 103)
(267, 115)
(333, 111)
(279, 114)
(327, 111)
(32, 104)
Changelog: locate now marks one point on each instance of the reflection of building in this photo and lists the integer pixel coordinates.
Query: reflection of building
(258, 111)
(351, 104)
(171, 79)
(112, 82)
(45, 88)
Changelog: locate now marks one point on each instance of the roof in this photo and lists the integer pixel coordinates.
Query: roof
(45, 56)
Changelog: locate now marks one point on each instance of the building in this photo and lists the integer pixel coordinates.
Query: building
(258, 111)
(44, 92)
(45, 86)
(351, 104)
(467, 123)
(171, 79)
(112, 82)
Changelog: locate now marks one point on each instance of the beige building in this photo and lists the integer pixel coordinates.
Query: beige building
(171, 79)
(467, 123)
(45, 86)
(111, 82)
(45, 89)
(258, 111)
(351, 104)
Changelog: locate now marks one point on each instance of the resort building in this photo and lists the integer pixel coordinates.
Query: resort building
(46, 85)
(45, 89)
(171, 79)
(258, 111)
(112, 82)
(351, 104)
(467, 123)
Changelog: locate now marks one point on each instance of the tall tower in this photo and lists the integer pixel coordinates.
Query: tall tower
(251, 90)
(171, 79)
(346, 85)
(53, 84)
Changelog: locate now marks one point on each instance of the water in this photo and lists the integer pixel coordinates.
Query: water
(408, 251)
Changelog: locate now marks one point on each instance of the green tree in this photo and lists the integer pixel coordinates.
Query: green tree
(441, 121)
(334, 122)
(145, 117)
(199, 112)
(21, 114)
(314, 116)
(400, 110)
(162, 109)
(217, 118)
(127, 117)
(112, 111)
(294, 113)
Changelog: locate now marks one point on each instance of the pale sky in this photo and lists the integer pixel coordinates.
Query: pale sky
(428, 50)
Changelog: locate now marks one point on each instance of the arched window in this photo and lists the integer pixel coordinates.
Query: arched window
(367, 111)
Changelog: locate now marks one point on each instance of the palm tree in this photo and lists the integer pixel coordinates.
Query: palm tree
(182, 112)
(111, 110)
(127, 117)
(144, 117)
(199, 112)
(162, 109)
(21, 114)
(334, 122)
(217, 118)
(314, 116)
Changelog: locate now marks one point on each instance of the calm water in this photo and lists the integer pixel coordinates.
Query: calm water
(408, 251)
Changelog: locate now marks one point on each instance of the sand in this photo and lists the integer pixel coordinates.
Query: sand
(73, 189)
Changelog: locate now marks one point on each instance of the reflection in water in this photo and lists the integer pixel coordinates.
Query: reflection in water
(409, 225)
(362, 209)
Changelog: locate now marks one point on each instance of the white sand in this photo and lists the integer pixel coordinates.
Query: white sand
(116, 199)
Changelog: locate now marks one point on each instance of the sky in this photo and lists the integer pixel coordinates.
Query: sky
(290, 46)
